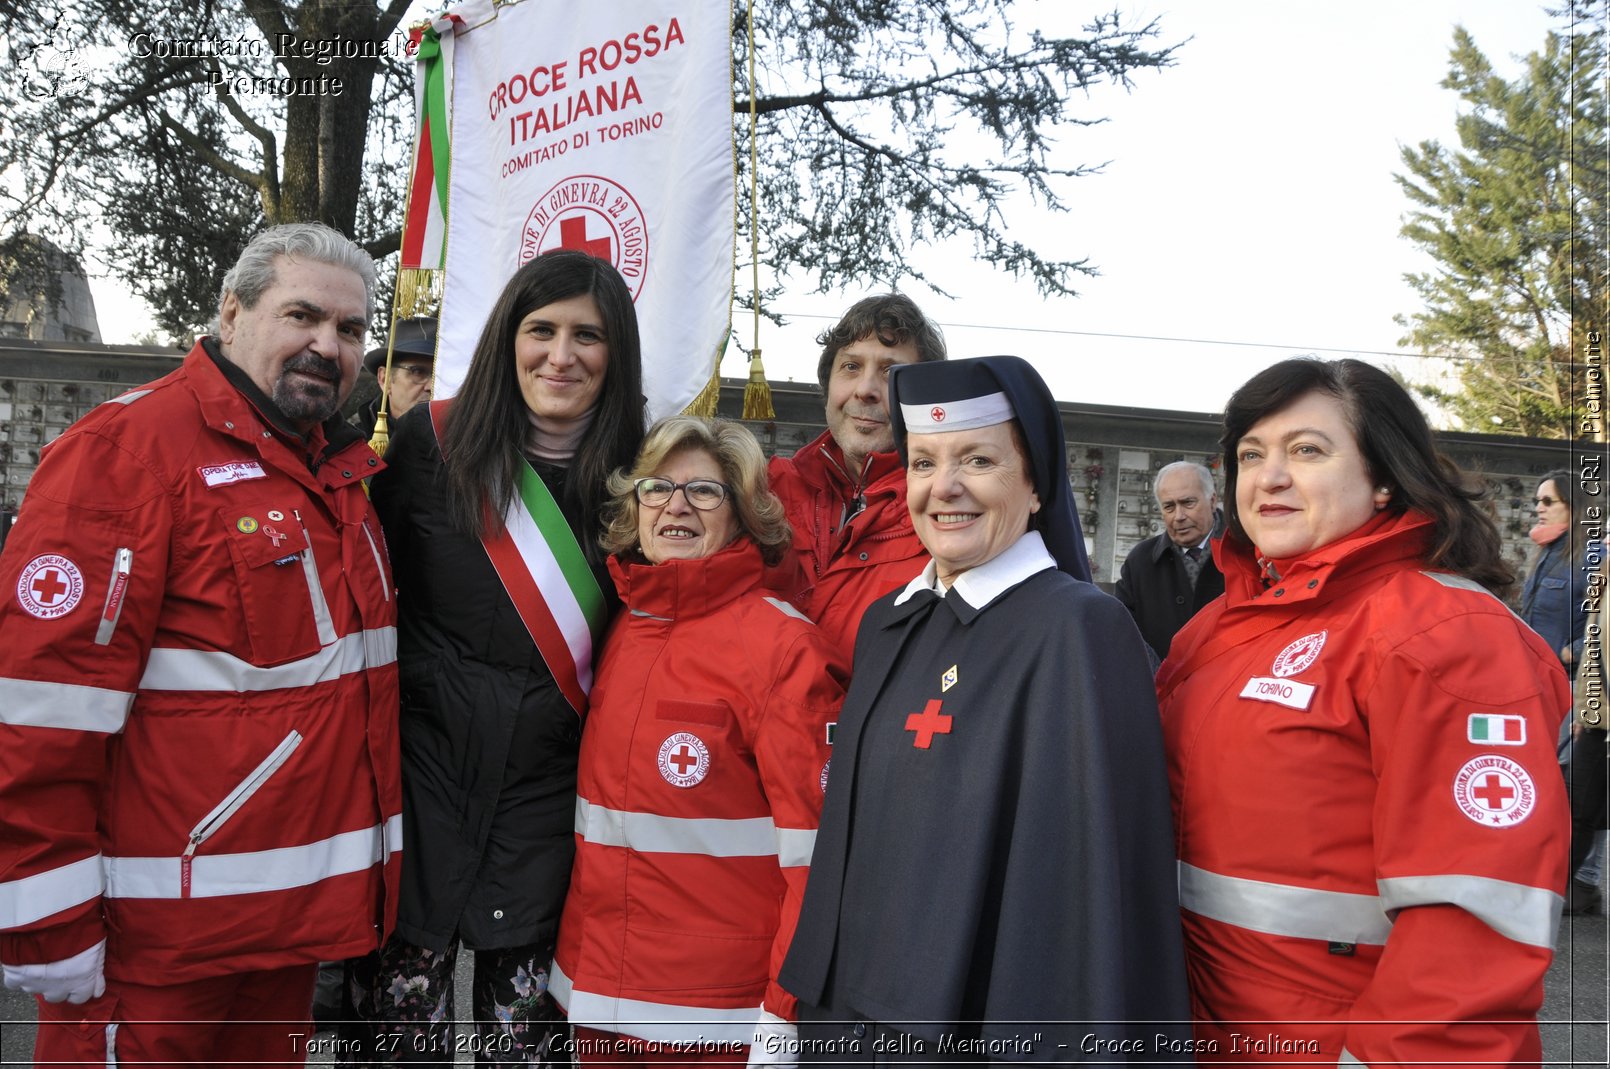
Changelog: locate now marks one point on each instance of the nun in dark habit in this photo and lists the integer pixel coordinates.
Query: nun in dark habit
(994, 876)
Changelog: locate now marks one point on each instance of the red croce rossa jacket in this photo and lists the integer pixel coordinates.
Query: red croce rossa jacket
(703, 764)
(198, 694)
(847, 565)
(1372, 827)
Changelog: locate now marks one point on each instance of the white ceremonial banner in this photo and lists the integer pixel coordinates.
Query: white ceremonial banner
(606, 128)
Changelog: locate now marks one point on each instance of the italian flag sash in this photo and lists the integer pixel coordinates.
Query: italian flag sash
(545, 573)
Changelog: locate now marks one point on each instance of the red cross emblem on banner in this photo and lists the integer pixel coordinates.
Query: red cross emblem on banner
(683, 758)
(927, 724)
(573, 235)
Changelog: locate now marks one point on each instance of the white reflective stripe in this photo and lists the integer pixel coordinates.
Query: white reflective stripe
(788, 610)
(315, 592)
(393, 841)
(1348, 1058)
(380, 568)
(1520, 912)
(211, 670)
(32, 704)
(243, 791)
(253, 872)
(128, 398)
(659, 1021)
(33, 898)
(795, 846)
(650, 833)
(1459, 582)
(1281, 909)
(111, 1045)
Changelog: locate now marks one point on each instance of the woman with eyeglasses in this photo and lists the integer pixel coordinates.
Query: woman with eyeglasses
(490, 503)
(1554, 602)
(703, 765)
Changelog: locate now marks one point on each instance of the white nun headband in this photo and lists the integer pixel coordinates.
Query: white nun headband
(966, 414)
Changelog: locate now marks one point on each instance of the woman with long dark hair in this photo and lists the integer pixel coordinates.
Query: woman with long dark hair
(491, 506)
(1372, 832)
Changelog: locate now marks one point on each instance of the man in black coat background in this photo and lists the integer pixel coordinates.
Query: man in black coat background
(1166, 579)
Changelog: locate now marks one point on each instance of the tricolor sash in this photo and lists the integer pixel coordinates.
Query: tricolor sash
(545, 573)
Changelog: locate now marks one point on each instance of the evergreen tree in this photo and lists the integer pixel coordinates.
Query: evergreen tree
(1515, 220)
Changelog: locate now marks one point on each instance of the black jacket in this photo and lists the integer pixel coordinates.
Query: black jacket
(1155, 589)
(489, 744)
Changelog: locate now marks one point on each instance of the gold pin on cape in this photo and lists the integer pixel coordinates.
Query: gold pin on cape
(947, 680)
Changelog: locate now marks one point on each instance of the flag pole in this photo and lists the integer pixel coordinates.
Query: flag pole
(417, 290)
(757, 392)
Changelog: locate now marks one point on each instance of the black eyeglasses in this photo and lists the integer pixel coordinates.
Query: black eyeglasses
(1549, 502)
(417, 372)
(702, 494)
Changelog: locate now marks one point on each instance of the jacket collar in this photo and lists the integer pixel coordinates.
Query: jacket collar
(1164, 543)
(976, 588)
(883, 472)
(679, 589)
(233, 405)
(1389, 541)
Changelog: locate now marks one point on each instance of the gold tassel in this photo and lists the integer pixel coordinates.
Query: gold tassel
(381, 438)
(705, 403)
(757, 392)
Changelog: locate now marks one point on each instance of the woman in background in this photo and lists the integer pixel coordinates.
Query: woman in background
(1554, 601)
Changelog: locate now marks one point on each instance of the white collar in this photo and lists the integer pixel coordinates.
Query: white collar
(981, 585)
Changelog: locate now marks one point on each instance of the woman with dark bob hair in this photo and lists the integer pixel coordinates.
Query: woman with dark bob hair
(1372, 831)
(703, 764)
(490, 503)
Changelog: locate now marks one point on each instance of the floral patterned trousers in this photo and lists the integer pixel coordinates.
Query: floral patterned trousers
(402, 999)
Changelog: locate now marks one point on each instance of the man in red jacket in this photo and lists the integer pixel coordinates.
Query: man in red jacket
(200, 791)
(845, 492)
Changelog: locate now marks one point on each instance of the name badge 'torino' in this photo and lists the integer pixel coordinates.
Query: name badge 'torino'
(1287, 692)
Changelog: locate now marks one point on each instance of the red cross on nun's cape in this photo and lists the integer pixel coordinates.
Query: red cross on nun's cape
(927, 724)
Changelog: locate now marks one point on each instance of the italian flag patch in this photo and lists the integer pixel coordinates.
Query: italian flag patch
(1496, 729)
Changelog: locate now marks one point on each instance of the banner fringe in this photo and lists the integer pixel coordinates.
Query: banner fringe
(708, 398)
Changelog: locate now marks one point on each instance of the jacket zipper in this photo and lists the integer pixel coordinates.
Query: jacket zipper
(235, 799)
(315, 589)
(122, 565)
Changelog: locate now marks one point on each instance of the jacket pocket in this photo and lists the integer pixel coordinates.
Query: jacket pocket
(210, 824)
(281, 601)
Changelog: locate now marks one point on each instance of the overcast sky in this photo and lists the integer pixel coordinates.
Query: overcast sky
(1249, 199)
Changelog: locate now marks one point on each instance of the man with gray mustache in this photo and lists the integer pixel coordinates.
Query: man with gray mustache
(201, 795)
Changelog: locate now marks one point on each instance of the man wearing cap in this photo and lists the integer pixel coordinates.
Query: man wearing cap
(200, 785)
(845, 492)
(1170, 576)
(413, 367)
(994, 868)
